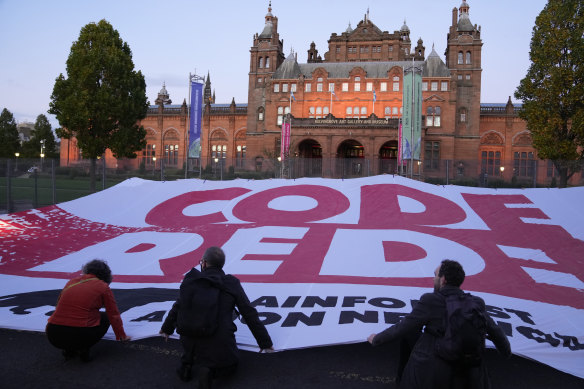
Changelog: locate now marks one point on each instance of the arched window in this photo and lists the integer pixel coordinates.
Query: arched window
(261, 113)
(318, 112)
(261, 62)
(267, 62)
(325, 111)
(468, 57)
(463, 115)
(363, 112)
(460, 58)
(349, 111)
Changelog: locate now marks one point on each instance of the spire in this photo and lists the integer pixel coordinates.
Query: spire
(349, 29)
(163, 97)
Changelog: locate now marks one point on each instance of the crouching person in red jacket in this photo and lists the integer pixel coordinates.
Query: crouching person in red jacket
(77, 324)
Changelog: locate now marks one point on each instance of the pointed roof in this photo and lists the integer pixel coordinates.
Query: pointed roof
(289, 68)
(464, 23)
(434, 66)
(267, 32)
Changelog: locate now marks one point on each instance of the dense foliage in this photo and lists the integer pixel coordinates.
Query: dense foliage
(553, 89)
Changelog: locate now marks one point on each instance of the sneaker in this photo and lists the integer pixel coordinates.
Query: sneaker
(185, 373)
(205, 378)
(69, 354)
(84, 355)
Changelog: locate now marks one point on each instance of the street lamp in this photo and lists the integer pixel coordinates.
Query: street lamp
(42, 152)
(16, 165)
(153, 164)
(502, 169)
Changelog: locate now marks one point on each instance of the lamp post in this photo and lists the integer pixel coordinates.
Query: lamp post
(502, 169)
(42, 153)
(153, 165)
(280, 163)
(16, 164)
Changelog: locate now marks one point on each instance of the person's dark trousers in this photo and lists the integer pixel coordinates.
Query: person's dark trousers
(406, 345)
(73, 340)
(205, 373)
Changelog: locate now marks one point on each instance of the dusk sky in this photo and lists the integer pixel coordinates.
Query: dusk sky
(171, 39)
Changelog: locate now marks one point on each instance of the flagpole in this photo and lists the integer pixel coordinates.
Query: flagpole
(331, 106)
(412, 124)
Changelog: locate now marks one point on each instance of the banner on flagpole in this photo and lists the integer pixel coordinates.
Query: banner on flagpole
(195, 121)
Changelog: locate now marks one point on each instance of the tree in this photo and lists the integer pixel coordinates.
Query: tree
(553, 89)
(103, 98)
(42, 131)
(9, 141)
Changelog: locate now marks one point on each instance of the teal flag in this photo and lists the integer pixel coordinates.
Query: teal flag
(412, 116)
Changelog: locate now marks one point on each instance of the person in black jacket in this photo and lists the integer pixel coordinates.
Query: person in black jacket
(216, 354)
(424, 368)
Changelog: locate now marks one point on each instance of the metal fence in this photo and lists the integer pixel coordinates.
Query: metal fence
(26, 184)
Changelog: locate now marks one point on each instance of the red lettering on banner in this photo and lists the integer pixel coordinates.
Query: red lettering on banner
(29, 242)
(170, 212)
(255, 208)
(380, 208)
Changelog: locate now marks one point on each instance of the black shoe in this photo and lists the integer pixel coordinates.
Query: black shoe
(185, 373)
(84, 355)
(205, 378)
(69, 354)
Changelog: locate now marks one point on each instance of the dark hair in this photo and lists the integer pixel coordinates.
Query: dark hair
(215, 257)
(452, 271)
(98, 268)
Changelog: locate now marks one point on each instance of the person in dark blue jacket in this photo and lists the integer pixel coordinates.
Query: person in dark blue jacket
(216, 354)
(424, 368)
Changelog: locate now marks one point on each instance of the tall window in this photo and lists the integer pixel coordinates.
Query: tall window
(491, 162)
(369, 87)
(431, 155)
(396, 84)
(148, 153)
(319, 84)
(383, 87)
(523, 163)
(280, 115)
(331, 87)
(261, 113)
(387, 112)
(363, 112)
(394, 111)
(468, 57)
(349, 112)
(293, 87)
(240, 156)
(267, 62)
(276, 88)
(424, 86)
(460, 57)
(357, 84)
(444, 86)
(307, 87)
(284, 87)
(311, 111)
(433, 116)
(434, 86)
(261, 62)
(463, 115)
(345, 87)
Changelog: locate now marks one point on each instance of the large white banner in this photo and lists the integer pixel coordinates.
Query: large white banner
(324, 261)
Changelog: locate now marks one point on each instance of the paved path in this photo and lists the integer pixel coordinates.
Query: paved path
(27, 360)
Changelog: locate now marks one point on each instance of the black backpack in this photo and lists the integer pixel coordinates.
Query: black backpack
(198, 314)
(465, 331)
